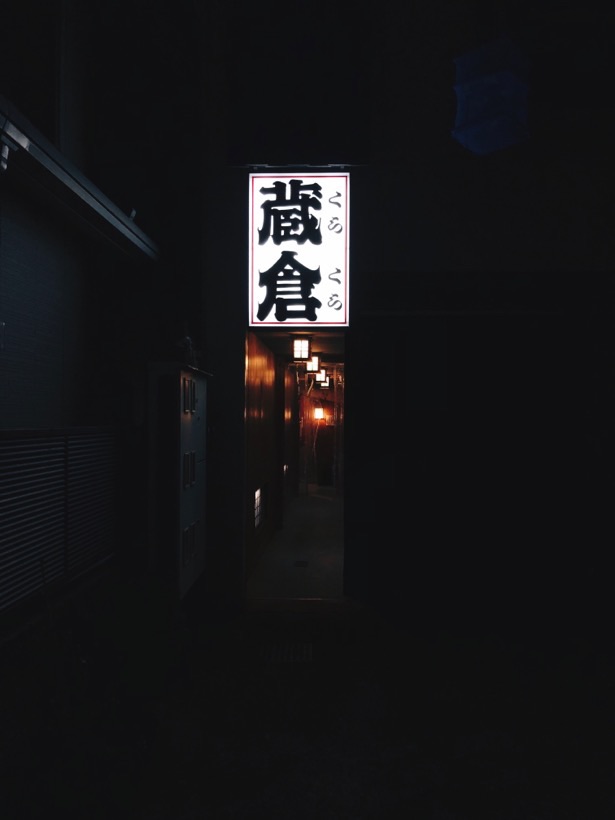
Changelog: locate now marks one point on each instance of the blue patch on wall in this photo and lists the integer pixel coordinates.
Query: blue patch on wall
(492, 91)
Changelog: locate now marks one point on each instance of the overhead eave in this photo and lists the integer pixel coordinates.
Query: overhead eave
(27, 151)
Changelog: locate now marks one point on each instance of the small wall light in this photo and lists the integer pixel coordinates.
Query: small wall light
(313, 364)
(319, 413)
(301, 349)
(321, 375)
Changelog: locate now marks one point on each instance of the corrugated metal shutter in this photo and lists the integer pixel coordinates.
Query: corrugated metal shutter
(91, 499)
(57, 508)
(32, 516)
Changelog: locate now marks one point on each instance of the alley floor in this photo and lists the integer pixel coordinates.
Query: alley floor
(305, 558)
(313, 707)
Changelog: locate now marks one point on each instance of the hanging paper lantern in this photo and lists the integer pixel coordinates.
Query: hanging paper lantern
(491, 88)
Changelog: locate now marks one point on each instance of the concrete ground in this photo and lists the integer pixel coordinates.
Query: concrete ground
(306, 705)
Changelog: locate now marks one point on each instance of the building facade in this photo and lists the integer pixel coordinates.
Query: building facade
(481, 297)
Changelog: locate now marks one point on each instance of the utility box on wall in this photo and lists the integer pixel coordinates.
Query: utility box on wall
(177, 474)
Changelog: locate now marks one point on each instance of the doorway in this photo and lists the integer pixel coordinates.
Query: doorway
(302, 557)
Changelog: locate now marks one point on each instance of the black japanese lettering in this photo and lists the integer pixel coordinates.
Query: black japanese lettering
(288, 217)
(289, 286)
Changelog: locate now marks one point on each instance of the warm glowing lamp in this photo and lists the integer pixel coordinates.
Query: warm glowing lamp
(301, 349)
(313, 365)
(321, 375)
(319, 413)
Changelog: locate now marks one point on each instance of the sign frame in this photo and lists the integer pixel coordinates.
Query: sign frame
(299, 231)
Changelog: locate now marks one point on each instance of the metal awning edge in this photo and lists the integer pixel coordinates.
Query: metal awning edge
(19, 135)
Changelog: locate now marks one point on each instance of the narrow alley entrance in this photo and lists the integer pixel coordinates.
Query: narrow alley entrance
(302, 558)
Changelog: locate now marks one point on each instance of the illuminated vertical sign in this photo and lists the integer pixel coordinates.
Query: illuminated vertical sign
(299, 228)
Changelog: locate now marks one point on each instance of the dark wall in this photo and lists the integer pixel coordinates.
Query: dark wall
(290, 411)
(481, 501)
(145, 146)
(481, 291)
(43, 306)
(295, 75)
(263, 447)
(29, 61)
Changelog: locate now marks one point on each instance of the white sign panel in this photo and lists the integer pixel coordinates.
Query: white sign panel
(299, 249)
